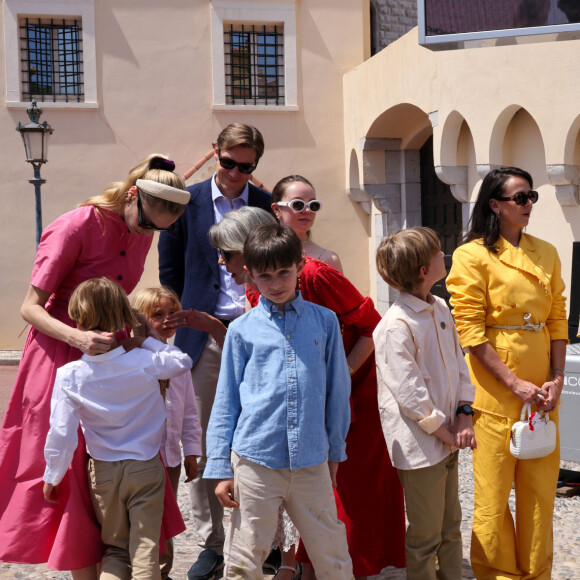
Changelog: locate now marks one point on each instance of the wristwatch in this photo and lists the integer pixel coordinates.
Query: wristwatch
(464, 409)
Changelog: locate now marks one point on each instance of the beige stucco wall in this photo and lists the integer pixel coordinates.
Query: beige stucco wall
(154, 78)
(503, 102)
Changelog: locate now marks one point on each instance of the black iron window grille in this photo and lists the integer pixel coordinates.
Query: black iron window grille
(254, 63)
(52, 59)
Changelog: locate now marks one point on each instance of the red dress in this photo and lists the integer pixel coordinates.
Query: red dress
(369, 498)
(79, 245)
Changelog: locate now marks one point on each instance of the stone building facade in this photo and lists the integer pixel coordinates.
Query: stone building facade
(390, 19)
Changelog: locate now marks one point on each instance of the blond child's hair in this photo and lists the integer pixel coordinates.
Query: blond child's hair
(100, 304)
(148, 299)
(401, 255)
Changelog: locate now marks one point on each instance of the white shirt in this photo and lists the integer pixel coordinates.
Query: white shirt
(232, 297)
(422, 376)
(117, 400)
(182, 421)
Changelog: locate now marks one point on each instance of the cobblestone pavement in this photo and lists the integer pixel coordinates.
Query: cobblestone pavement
(566, 538)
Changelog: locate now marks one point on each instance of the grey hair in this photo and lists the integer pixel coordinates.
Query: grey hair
(230, 234)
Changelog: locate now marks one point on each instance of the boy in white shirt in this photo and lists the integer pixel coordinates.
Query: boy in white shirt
(116, 399)
(424, 393)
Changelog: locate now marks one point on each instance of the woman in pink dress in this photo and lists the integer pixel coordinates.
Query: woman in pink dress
(109, 235)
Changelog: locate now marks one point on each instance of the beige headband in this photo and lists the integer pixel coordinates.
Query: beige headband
(163, 191)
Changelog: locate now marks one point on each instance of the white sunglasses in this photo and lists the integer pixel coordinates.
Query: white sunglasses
(298, 205)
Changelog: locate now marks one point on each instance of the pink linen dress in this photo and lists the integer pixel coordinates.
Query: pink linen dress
(79, 245)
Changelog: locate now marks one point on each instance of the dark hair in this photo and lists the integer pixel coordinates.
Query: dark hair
(241, 135)
(280, 188)
(272, 246)
(483, 222)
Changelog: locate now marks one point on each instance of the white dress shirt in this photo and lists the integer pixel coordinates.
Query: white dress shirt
(422, 376)
(182, 421)
(117, 400)
(232, 297)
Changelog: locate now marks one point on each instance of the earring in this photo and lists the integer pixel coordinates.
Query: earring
(497, 217)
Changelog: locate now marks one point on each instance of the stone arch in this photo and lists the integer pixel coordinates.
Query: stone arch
(565, 177)
(355, 191)
(451, 169)
(496, 140)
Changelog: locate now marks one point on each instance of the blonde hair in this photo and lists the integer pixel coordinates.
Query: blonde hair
(401, 255)
(148, 299)
(100, 304)
(114, 195)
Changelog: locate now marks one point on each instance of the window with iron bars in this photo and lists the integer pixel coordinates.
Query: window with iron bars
(52, 59)
(254, 62)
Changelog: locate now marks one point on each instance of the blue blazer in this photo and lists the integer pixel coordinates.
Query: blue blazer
(188, 263)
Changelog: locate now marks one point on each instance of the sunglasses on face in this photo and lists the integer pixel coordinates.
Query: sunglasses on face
(298, 205)
(144, 222)
(521, 198)
(227, 256)
(229, 164)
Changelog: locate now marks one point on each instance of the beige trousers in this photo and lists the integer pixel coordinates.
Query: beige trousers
(127, 498)
(307, 495)
(433, 543)
(207, 511)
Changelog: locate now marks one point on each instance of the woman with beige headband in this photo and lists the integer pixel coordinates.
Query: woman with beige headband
(109, 235)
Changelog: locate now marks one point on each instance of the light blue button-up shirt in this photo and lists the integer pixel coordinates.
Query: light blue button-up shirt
(231, 301)
(282, 398)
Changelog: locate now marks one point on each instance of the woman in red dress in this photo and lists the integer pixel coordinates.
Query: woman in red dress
(369, 496)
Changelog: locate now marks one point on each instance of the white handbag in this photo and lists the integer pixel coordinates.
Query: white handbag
(533, 435)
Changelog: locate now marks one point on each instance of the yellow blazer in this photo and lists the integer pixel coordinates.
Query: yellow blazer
(490, 289)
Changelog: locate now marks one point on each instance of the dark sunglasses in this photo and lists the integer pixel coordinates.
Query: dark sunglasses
(144, 222)
(298, 205)
(521, 198)
(227, 256)
(229, 164)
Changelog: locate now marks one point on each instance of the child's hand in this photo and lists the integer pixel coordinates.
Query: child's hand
(132, 342)
(190, 463)
(333, 468)
(445, 435)
(224, 491)
(463, 430)
(49, 492)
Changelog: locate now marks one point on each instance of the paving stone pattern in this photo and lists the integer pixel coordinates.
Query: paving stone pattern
(566, 538)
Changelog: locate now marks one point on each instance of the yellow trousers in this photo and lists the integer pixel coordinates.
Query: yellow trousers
(500, 548)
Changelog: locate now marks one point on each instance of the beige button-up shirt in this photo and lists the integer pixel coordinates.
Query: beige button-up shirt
(422, 376)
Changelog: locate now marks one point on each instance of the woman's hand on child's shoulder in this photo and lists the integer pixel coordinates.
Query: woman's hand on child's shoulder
(224, 491)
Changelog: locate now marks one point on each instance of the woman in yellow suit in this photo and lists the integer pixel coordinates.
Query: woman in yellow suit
(506, 292)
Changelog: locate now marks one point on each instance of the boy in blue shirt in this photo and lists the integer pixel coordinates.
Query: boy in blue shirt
(280, 417)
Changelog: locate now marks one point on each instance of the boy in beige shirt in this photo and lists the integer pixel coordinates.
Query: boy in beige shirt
(424, 393)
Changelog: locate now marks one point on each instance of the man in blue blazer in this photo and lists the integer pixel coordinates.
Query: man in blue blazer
(188, 264)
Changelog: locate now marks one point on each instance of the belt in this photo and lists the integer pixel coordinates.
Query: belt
(527, 326)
